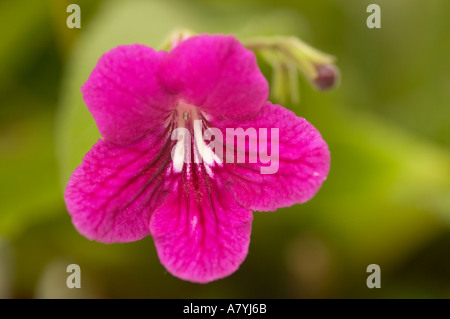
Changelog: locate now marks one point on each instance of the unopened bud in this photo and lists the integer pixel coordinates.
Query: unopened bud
(327, 77)
(290, 52)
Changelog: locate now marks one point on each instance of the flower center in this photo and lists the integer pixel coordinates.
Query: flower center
(190, 146)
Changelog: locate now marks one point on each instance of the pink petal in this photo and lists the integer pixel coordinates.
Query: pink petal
(217, 74)
(112, 194)
(304, 162)
(124, 95)
(200, 232)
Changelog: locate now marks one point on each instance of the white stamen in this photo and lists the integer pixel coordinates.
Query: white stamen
(209, 171)
(178, 156)
(206, 153)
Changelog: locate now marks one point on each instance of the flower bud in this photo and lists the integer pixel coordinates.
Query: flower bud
(327, 77)
(292, 53)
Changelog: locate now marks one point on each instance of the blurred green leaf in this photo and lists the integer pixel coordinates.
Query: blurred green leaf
(386, 189)
(29, 189)
(6, 269)
(25, 23)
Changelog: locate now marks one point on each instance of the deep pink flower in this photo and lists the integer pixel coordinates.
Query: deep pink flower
(199, 214)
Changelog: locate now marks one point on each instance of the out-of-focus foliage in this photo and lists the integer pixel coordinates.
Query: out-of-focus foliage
(387, 198)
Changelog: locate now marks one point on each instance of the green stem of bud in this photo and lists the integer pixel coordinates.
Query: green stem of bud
(316, 66)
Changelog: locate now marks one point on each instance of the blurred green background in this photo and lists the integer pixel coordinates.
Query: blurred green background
(386, 200)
